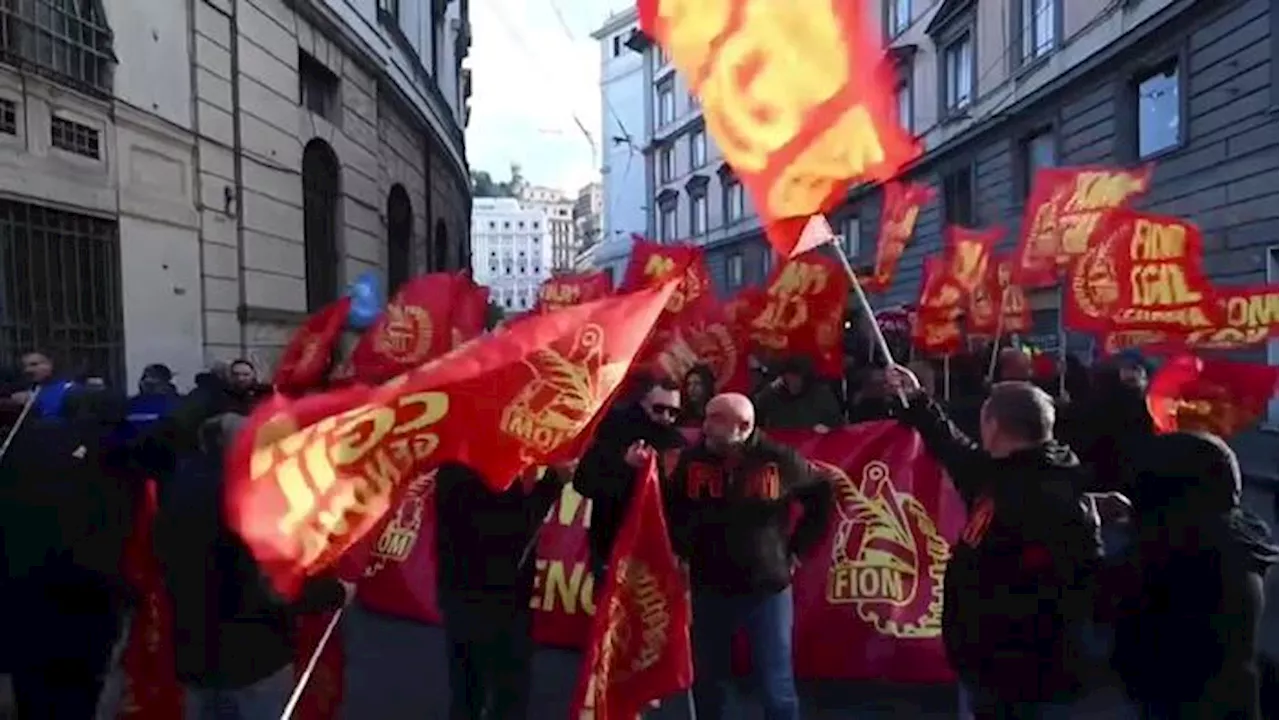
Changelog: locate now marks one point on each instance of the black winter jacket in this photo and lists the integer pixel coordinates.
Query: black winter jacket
(604, 477)
(1017, 586)
(731, 519)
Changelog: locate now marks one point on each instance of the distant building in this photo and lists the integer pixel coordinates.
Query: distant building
(558, 209)
(511, 246)
(624, 90)
(587, 210)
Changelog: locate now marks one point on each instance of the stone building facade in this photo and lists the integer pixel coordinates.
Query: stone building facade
(185, 181)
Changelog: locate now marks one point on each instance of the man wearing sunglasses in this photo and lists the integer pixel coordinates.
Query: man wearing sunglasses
(607, 471)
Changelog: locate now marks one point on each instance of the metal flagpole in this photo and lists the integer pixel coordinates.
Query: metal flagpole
(296, 697)
(22, 418)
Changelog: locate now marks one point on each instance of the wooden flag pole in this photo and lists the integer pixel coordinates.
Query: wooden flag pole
(22, 418)
(298, 689)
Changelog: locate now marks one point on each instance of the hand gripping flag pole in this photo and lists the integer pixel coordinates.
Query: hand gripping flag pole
(17, 425)
(301, 687)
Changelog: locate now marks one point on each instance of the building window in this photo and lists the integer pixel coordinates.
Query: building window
(733, 270)
(852, 240)
(617, 45)
(320, 223)
(698, 148)
(698, 217)
(399, 238)
(317, 87)
(1037, 151)
(957, 73)
(1159, 111)
(957, 198)
(667, 222)
(666, 104)
(899, 16)
(68, 40)
(60, 289)
(666, 164)
(8, 117)
(662, 56)
(1039, 28)
(1273, 258)
(694, 103)
(75, 138)
(440, 247)
(903, 98)
(735, 200)
(766, 261)
(389, 10)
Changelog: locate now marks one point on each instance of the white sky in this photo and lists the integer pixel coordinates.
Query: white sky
(529, 80)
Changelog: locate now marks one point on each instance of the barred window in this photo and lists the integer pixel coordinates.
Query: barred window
(76, 138)
(67, 40)
(8, 117)
(60, 289)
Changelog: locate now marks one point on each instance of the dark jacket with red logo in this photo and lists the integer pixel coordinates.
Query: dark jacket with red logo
(731, 519)
(1017, 587)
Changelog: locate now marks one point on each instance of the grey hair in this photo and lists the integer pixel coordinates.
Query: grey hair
(1022, 410)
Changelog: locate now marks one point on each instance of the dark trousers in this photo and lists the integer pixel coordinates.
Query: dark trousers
(768, 621)
(490, 658)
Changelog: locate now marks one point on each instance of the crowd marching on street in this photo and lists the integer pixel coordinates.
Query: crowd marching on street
(1080, 517)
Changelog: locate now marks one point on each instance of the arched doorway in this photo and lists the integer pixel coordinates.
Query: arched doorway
(441, 247)
(399, 238)
(320, 222)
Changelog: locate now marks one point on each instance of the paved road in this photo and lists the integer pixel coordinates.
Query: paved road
(397, 670)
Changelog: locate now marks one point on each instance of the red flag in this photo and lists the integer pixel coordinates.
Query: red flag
(470, 312)
(306, 358)
(1189, 393)
(308, 478)
(415, 328)
(968, 254)
(803, 313)
(565, 289)
(797, 95)
(653, 264)
(639, 648)
(902, 203)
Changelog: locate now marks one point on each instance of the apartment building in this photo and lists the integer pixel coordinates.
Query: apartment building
(557, 210)
(184, 181)
(514, 246)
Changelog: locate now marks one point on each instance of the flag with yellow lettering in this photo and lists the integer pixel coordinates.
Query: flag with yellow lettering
(967, 253)
(1251, 318)
(935, 328)
(799, 97)
(1063, 210)
(902, 204)
(1194, 394)
(653, 264)
(1141, 272)
(417, 326)
(308, 478)
(307, 357)
(998, 306)
(565, 289)
(639, 648)
(803, 312)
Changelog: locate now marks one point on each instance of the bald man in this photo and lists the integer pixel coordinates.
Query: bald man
(729, 503)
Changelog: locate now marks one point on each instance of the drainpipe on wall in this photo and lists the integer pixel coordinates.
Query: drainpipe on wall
(237, 159)
(197, 184)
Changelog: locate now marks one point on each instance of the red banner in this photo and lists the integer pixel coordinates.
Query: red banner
(567, 289)
(902, 203)
(306, 359)
(1062, 212)
(1192, 394)
(803, 312)
(1141, 272)
(858, 616)
(416, 326)
(798, 97)
(1251, 317)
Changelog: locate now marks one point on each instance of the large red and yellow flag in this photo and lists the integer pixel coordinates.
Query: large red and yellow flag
(653, 264)
(1193, 394)
(968, 254)
(470, 311)
(415, 328)
(1141, 272)
(1251, 316)
(798, 96)
(902, 203)
(306, 359)
(1063, 211)
(935, 329)
(565, 289)
(639, 648)
(308, 478)
(803, 311)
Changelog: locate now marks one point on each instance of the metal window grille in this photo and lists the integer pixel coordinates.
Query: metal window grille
(320, 223)
(60, 289)
(8, 117)
(67, 40)
(76, 138)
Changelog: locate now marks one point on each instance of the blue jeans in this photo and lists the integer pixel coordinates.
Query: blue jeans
(263, 700)
(975, 704)
(768, 622)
